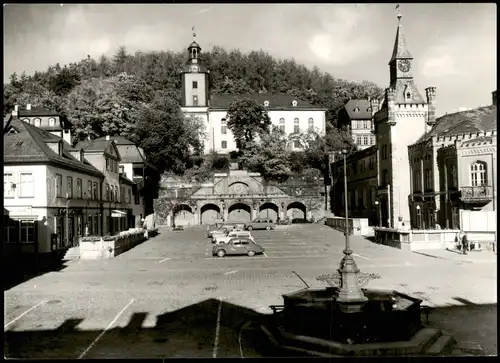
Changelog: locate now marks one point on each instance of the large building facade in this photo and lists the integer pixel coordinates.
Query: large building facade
(399, 119)
(286, 112)
(55, 192)
(429, 172)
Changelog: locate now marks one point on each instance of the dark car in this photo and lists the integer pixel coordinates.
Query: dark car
(237, 246)
(260, 224)
(178, 228)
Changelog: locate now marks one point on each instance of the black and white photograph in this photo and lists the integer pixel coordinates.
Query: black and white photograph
(249, 180)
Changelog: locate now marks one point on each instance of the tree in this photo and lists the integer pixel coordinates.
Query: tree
(270, 156)
(167, 136)
(63, 82)
(246, 120)
(120, 58)
(317, 146)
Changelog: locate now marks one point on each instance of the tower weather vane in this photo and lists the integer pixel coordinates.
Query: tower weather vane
(194, 34)
(399, 12)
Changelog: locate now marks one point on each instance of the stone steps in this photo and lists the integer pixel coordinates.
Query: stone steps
(426, 341)
(72, 253)
(442, 346)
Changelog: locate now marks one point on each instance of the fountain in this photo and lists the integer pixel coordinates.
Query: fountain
(345, 319)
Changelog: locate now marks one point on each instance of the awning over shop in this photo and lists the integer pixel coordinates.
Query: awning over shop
(118, 214)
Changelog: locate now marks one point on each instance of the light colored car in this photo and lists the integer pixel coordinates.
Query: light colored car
(237, 246)
(231, 234)
(260, 224)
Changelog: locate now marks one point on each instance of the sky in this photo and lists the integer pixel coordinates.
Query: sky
(453, 45)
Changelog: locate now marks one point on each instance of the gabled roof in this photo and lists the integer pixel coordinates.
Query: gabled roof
(482, 140)
(126, 180)
(29, 146)
(6, 121)
(471, 121)
(277, 101)
(36, 111)
(98, 145)
(358, 109)
(400, 50)
(129, 152)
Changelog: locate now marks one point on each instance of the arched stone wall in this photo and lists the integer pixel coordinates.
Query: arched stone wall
(296, 210)
(268, 210)
(210, 213)
(183, 215)
(239, 212)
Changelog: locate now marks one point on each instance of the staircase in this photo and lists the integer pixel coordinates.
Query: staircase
(73, 253)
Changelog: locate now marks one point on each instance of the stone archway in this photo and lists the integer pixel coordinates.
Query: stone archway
(268, 210)
(239, 212)
(183, 215)
(210, 213)
(296, 210)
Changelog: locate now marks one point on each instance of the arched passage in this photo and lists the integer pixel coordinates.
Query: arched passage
(296, 210)
(268, 210)
(183, 215)
(210, 213)
(239, 212)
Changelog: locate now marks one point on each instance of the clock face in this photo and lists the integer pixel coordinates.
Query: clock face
(404, 65)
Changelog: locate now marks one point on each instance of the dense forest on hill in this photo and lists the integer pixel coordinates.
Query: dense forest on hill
(137, 95)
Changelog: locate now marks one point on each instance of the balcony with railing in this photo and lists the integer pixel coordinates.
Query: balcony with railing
(476, 195)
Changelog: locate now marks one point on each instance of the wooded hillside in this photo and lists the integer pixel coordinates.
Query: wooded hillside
(135, 94)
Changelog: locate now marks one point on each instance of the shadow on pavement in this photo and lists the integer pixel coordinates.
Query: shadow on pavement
(191, 332)
(187, 332)
(17, 273)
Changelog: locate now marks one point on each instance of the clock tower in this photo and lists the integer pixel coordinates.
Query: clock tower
(195, 79)
(400, 67)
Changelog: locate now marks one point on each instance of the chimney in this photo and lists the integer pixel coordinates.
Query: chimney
(494, 94)
(107, 137)
(431, 114)
(15, 112)
(374, 105)
(28, 107)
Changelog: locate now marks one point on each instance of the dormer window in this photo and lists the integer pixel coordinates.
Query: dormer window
(356, 109)
(27, 120)
(52, 122)
(294, 103)
(407, 93)
(38, 122)
(266, 103)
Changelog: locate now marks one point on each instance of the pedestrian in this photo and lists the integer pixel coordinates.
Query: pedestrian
(465, 244)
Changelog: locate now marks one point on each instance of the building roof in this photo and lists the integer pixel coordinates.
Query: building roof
(482, 140)
(28, 145)
(400, 47)
(126, 180)
(277, 101)
(38, 111)
(471, 121)
(119, 140)
(364, 111)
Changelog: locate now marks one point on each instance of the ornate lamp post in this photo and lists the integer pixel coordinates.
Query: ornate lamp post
(350, 296)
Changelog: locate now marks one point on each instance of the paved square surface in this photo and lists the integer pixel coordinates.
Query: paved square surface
(168, 297)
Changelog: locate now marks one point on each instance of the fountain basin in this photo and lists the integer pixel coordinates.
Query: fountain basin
(387, 316)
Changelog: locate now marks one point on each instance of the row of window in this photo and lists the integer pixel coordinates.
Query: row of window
(26, 187)
(38, 122)
(296, 144)
(281, 126)
(365, 124)
(477, 175)
(365, 140)
(364, 198)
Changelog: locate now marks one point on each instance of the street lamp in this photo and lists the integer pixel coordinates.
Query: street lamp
(350, 296)
(67, 219)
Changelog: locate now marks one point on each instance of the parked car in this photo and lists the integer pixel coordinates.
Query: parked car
(178, 228)
(260, 224)
(237, 246)
(214, 229)
(230, 234)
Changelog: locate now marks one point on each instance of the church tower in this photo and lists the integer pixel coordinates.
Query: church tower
(195, 79)
(403, 118)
